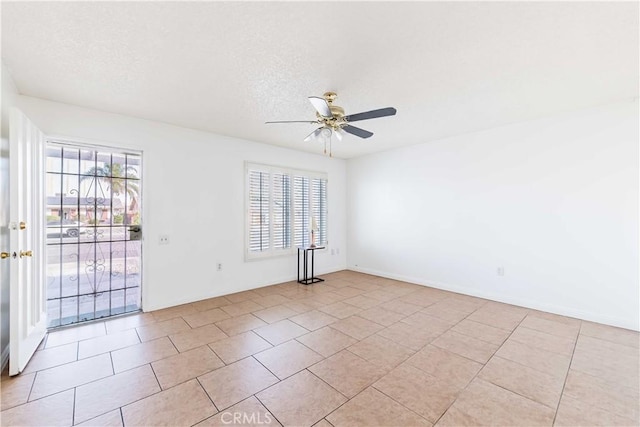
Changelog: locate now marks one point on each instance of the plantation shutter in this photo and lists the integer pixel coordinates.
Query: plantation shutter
(259, 217)
(281, 204)
(281, 208)
(319, 208)
(301, 210)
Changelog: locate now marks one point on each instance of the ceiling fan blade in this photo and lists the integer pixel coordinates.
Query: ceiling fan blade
(313, 134)
(291, 121)
(382, 112)
(321, 106)
(357, 131)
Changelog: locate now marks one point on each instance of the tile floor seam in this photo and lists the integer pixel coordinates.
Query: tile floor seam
(265, 367)
(175, 346)
(71, 326)
(342, 404)
(551, 335)
(587, 374)
(94, 417)
(78, 359)
(399, 403)
(265, 405)
(328, 422)
(360, 357)
(521, 395)
(189, 379)
(453, 352)
(336, 390)
(484, 324)
(127, 404)
(347, 397)
(480, 370)
(209, 397)
(121, 416)
(30, 388)
(221, 359)
(254, 394)
(139, 338)
(607, 410)
(78, 385)
(141, 398)
(530, 367)
(450, 328)
(201, 421)
(603, 339)
(304, 345)
(172, 343)
(154, 373)
(583, 373)
(525, 366)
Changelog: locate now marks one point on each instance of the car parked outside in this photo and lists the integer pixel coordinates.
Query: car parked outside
(66, 227)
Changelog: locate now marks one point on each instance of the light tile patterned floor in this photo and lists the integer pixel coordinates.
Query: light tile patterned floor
(354, 350)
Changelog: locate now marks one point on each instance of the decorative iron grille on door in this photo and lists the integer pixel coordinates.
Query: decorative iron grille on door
(93, 233)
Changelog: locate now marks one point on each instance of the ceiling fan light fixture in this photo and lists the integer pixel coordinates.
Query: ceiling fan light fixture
(313, 134)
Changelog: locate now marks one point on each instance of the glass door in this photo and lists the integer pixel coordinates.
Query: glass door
(94, 247)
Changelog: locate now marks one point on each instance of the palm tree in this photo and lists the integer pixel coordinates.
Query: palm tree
(118, 179)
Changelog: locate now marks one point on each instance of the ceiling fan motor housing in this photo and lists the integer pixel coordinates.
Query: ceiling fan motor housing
(337, 113)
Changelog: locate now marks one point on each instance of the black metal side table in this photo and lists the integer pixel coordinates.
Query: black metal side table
(306, 280)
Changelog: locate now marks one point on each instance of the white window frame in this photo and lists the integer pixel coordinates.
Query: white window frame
(271, 169)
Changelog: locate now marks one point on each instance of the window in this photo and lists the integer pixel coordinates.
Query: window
(282, 205)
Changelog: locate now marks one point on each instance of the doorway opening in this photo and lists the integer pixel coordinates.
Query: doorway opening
(94, 231)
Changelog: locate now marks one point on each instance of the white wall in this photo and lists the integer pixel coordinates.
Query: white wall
(9, 95)
(194, 191)
(553, 201)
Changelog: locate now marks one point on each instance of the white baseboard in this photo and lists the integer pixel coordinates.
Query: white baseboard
(4, 358)
(508, 299)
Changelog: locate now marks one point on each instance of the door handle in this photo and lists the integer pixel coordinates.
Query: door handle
(23, 225)
(26, 253)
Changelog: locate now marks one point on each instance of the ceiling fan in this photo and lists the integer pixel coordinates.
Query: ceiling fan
(332, 119)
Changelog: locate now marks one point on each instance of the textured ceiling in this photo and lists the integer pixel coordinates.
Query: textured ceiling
(227, 67)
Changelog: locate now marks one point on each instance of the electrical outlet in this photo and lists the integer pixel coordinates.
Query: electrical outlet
(164, 239)
(500, 271)
(219, 266)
